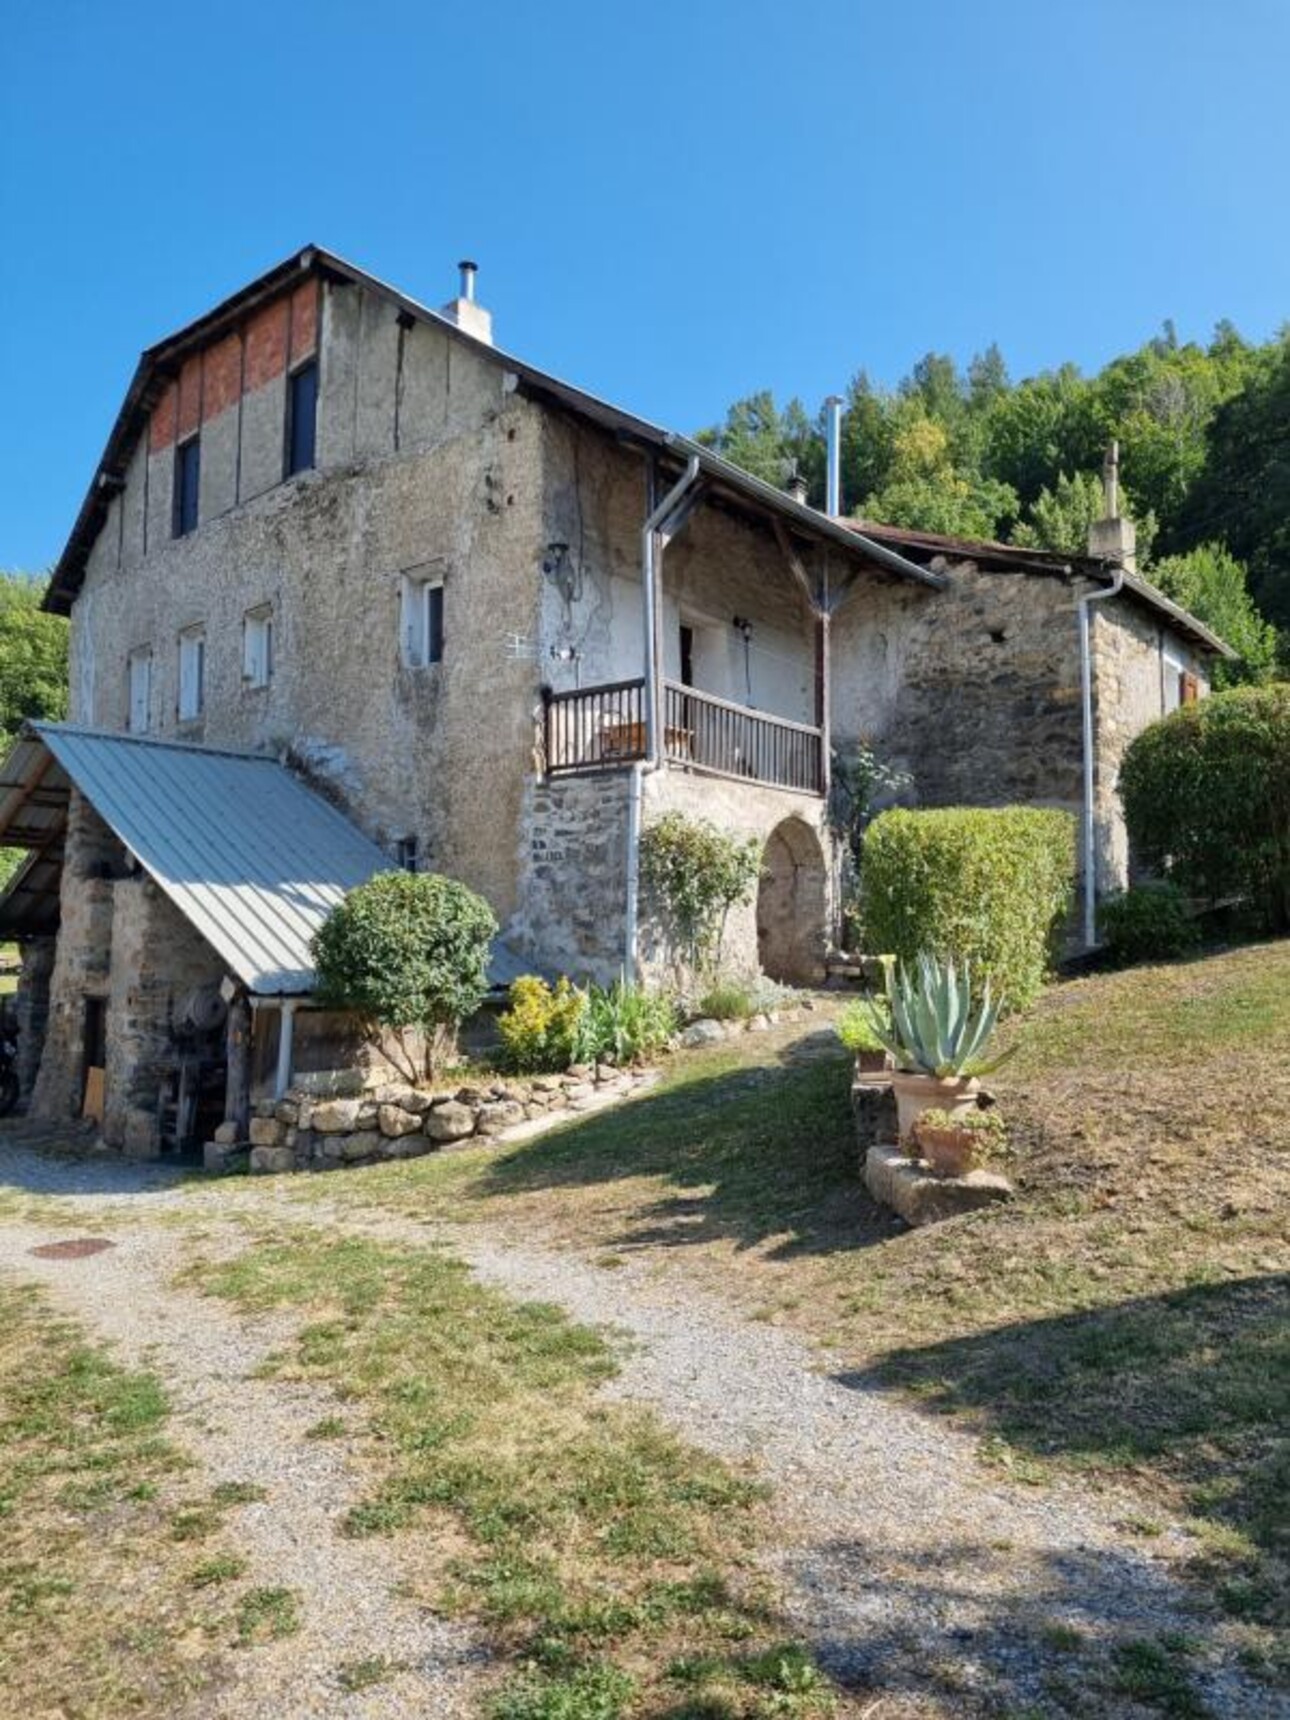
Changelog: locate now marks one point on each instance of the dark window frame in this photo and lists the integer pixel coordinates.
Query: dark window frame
(434, 623)
(188, 484)
(296, 458)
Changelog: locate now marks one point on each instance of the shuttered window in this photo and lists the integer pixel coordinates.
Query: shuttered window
(140, 691)
(192, 674)
(422, 622)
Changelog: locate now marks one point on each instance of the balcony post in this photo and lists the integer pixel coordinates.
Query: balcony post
(654, 537)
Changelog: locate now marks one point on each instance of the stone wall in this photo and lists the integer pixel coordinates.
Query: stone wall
(82, 962)
(302, 1132)
(31, 1009)
(574, 891)
(157, 959)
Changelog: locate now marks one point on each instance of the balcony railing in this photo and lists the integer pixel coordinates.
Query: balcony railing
(603, 727)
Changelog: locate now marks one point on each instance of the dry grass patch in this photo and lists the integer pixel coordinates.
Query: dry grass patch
(102, 1614)
(611, 1564)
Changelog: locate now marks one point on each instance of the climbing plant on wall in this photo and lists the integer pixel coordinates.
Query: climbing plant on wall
(697, 873)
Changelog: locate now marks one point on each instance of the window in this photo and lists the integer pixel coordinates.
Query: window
(192, 674)
(422, 624)
(1173, 682)
(188, 474)
(257, 647)
(406, 853)
(140, 691)
(302, 417)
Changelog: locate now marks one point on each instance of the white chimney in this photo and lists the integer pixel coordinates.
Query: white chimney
(833, 487)
(469, 317)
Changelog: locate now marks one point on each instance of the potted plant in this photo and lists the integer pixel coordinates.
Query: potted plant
(861, 1028)
(953, 1144)
(938, 1037)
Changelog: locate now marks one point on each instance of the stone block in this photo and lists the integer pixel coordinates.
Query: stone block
(265, 1132)
(501, 1114)
(363, 1144)
(907, 1188)
(226, 1134)
(873, 1105)
(213, 1156)
(288, 1111)
(272, 1160)
(335, 1116)
(702, 1032)
(395, 1121)
(451, 1121)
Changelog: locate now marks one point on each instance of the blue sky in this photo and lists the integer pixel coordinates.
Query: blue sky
(672, 205)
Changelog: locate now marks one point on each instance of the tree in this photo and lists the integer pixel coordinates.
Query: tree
(1212, 585)
(1060, 518)
(925, 490)
(408, 953)
(33, 655)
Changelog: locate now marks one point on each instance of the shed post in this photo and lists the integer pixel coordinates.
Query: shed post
(237, 1089)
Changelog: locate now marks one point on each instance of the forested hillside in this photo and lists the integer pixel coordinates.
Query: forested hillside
(1204, 436)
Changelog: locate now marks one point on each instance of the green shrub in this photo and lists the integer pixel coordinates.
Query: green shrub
(542, 1030)
(696, 874)
(1206, 797)
(626, 1023)
(989, 886)
(1148, 923)
(407, 951)
(859, 1022)
(727, 1002)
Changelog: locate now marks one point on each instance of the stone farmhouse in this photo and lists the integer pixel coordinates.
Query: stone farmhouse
(353, 587)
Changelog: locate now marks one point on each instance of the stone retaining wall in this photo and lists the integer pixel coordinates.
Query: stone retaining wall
(303, 1132)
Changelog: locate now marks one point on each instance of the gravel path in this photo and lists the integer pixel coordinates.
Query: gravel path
(911, 1566)
(253, 1430)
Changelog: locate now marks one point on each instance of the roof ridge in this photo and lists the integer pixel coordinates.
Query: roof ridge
(91, 732)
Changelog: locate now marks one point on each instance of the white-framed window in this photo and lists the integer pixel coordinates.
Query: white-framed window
(421, 621)
(1172, 675)
(257, 646)
(140, 672)
(192, 673)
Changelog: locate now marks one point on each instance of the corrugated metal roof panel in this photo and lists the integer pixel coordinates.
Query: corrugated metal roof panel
(252, 858)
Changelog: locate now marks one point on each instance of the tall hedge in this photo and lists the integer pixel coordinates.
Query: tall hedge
(1206, 795)
(990, 885)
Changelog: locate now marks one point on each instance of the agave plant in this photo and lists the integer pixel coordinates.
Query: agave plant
(935, 1028)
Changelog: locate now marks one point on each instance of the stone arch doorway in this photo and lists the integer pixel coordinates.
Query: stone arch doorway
(792, 905)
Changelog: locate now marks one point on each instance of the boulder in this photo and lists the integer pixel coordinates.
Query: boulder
(363, 1144)
(920, 1198)
(272, 1159)
(335, 1116)
(501, 1114)
(450, 1121)
(226, 1134)
(395, 1121)
(265, 1132)
(702, 1032)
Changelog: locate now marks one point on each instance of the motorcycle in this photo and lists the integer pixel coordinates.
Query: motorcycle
(8, 1068)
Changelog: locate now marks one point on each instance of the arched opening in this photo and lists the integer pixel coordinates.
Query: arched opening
(792, 904)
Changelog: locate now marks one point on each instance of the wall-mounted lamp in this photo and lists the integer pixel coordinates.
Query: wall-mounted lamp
(558, 568)
(743, 626)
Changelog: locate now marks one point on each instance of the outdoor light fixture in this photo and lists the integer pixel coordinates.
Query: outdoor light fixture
(566, 578)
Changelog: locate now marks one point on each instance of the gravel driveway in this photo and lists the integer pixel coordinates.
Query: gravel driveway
(911, 1567)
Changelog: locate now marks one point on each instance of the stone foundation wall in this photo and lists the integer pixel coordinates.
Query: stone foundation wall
(302, 1132)
(573, 893)
(31, 1009)
(157, 958)
(82, 962)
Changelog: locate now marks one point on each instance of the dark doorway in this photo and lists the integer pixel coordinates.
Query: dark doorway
(94, 1056)
(687, 656)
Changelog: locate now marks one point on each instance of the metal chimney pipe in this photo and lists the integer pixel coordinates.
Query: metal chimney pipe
(468, 272)
(833, 502)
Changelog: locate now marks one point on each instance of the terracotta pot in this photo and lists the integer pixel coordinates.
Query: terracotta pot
(874, 1062)
(949, 1152)
(918, 1093)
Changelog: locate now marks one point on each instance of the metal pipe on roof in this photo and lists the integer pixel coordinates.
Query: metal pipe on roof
(833, 411)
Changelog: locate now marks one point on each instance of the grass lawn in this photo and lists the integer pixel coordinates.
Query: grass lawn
(1127, 1318)
(117, 1583)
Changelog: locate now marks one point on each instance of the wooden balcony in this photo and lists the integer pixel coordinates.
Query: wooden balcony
(603, 728)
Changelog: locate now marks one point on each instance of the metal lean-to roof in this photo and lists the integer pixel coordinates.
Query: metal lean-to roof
(252, 858)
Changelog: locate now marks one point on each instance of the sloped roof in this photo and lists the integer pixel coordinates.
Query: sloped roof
(253, 859)
(160, 362)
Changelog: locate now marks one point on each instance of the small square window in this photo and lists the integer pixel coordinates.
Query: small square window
(302, 417)
(257, 647)
(406, 854)
(188, 476)
(192, 674)
(422, 622)
(140, 717)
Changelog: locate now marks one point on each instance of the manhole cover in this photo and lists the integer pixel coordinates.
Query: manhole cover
(76, 1248)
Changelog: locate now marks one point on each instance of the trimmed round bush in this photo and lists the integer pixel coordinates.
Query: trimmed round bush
(1151, 922)
(987, 885)
(1206, 795)
(408, 950)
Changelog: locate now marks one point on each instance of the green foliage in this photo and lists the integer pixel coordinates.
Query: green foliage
(1060, 517)
(863, 1024)
(1206, 797)
(598, 1692)
(1151, 922)
(697, 874)
(1212, 585)
(857, 778)
(33, 656)
(985, 885)
(626, 1024)
(542, 1029)
(937, 1026)
(727, 1001)
(408, 950)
